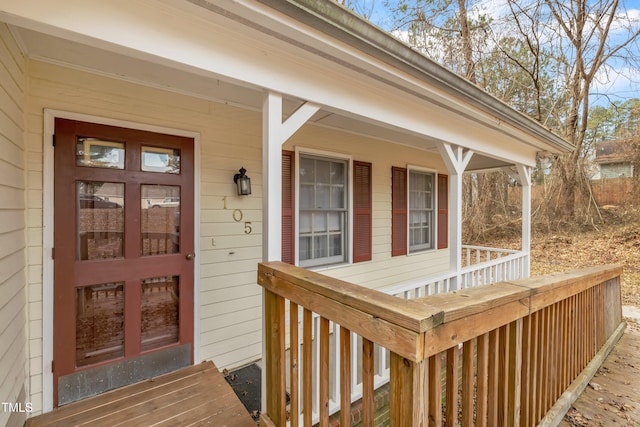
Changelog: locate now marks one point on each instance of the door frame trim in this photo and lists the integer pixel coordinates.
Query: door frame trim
(47, 232)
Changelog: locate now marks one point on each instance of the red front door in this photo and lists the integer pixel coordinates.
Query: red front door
(123, 256)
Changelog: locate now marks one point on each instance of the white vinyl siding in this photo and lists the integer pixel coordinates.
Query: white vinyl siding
(230, 301)
(13, 230)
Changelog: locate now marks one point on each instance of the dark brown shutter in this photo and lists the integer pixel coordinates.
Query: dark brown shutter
(362, 211)
(398, 211)
(288, 206)
(443, 211)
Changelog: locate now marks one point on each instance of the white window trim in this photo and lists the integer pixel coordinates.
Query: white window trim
(348, 235)
(47, 236)
(414, 168)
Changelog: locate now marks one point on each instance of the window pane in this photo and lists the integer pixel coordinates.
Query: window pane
(100, 219)
(337, 172)
(160, 303)
(323, 171)
(163, 160)
(160, 222)
(97, 153)
(306, 170)
(337, 197)
(335, 221)
(322, 197)
(307, 196)
(320, 246)
(304, 248)
(305, 223)
(319, 223)
(335, 249)
(99, 323)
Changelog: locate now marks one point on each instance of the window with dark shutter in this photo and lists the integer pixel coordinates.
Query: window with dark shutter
(362, 211)
(443, 211)
(398, 211)
(288, 207)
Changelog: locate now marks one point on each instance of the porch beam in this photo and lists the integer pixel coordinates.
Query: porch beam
(276, 132)
(456, 159)
(524, 173)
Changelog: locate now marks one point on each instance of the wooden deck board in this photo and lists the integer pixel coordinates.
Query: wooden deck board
(197, 395)
(613, 395)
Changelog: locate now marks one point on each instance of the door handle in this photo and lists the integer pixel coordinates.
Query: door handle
(189, 257)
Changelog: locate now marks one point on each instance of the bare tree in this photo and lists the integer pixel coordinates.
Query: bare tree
(582, 39)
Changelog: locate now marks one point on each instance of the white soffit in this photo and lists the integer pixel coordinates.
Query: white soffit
(431, 119)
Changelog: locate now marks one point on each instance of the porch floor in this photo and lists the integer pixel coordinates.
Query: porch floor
(612, 397)
(197, 395)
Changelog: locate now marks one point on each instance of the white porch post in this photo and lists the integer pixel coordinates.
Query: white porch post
(524, 174)
(275, 132)
(456, 158)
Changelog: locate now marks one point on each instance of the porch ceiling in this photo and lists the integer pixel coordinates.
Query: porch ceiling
(203, 84)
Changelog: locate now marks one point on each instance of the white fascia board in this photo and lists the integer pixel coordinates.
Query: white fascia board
(199, 40)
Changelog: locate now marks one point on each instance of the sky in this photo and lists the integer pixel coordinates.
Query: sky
(618, 82)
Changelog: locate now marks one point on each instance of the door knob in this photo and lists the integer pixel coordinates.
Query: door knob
(190, 256)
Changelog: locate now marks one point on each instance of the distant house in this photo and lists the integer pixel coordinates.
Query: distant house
(127, 249)
(614, 162)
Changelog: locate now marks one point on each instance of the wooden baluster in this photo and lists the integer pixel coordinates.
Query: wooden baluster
(452, 387)
(435, 390)
(503, 374)
(307, 368)
(482, 392)
(324, 372)
(515, 372)
(468, 350)
(494, 385)
(294, 409)
(345, 377)
(540, 360)
(368, 372)
(565, 345)
(525, 390)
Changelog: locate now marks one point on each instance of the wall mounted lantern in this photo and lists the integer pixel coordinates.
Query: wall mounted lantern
(243, 182)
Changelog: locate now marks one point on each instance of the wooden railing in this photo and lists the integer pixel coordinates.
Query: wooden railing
(494, 355)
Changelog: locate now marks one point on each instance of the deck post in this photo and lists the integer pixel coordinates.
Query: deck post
(409, 390)
(274, 358)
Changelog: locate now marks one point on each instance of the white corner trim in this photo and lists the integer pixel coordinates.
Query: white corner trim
(47, 233)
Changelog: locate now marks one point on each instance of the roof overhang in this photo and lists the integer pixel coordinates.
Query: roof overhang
(232, 51)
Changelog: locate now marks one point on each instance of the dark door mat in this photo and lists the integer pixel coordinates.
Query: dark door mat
(245, 382)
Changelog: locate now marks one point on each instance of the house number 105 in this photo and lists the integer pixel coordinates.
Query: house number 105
(237, 217)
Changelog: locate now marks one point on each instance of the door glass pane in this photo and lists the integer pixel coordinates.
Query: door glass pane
(100, 214)
(160, 223)
(99, 323)
(160, 304)
(97, 153)
(163, 160)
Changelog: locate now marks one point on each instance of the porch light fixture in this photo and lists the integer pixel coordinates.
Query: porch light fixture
(243, 182)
